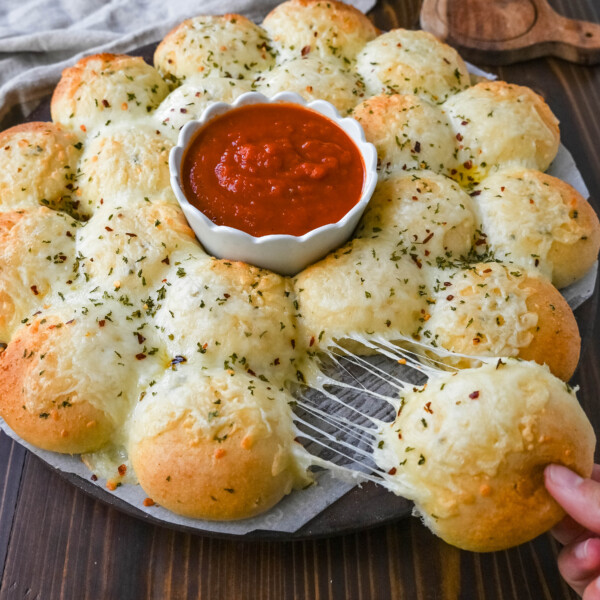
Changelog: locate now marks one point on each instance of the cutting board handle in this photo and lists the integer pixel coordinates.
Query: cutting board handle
(507, 31)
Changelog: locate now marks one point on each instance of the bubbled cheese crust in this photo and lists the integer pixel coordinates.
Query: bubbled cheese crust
(106, 87)
(470, 450)
(402, 61)
(557, 233)
(142, 332)
(224, 46)
(312, 27)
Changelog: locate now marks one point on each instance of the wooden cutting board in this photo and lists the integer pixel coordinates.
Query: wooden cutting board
(501, 32)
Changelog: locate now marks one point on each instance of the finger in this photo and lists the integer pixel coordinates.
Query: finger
(579, 497)
(596, 473)
(579, 563)
(569, 531)
(592, 591)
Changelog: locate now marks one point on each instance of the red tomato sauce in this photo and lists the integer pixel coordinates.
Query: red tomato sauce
(272, 168)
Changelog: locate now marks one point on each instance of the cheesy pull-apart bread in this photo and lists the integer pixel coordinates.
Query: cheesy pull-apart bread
(470, 449)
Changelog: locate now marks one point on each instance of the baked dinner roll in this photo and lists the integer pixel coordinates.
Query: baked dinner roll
(557, 232)
(224, 46)
(64, 385)
(225, 314)
(364, 287)
(106, 88)
(125, 160)
(314, 79)
(130, 248)
(408, 132)
(402, 61)
(38, 165)
(470, 449)
(498, 124)
(215, 446)
(428, 217)
(37, 254)
(188, 101)
(329, 30)
(491, 309)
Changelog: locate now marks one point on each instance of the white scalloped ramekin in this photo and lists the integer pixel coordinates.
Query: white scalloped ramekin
(284, 254)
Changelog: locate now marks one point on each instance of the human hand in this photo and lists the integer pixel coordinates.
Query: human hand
(579, 531)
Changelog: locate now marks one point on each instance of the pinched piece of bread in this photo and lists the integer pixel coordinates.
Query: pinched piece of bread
(426, 217)
(499, 124)
(38, 165)
(230, 315)
(215, 446)
(408, 132)
(470, 450)
(188, 101)
(125, 160)
(106, 88)
(314, 79)
(228, 46)
(557, 233)
(362, 288)
(490, 309)
(37, 250)
(63, 383)
(329, 30)
(402, 61)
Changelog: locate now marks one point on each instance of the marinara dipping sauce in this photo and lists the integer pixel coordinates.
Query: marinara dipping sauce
(272, 169)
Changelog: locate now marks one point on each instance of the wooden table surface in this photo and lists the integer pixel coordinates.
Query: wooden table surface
(57, 542)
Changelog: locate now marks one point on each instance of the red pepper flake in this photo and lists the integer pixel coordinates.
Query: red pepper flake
(226, 295)
(69, 234)
(416, 260)
(251, 372)
(476, 340)
(392, 471)
(474, 395)
(109, 228)
(463, 123)
(468, 164)
(428, 238)
(105, 103)
(312, 341)
(428, 408)
(148, 502)
(131, 234)
(34, 290)
(487, 270)
(183, 110)
(480, 242)
(475, 193)
(166, 261)
(94, 477)
(141, 339)
(447, 283)
(399, 435)
(140, 356)
(122, 470)
(537, 262)
(417, 147)
(459, 137)
(101, 323)
(69, 322)
(305, 50)
(502, 188)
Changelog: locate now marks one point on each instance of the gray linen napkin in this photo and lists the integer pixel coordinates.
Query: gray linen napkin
(39, 38)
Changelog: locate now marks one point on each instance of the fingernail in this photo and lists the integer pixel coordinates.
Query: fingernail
(562, 476)
(581, 550)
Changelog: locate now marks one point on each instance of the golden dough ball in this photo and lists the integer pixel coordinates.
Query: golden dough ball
(125, 161)
(364, 287)
(314, 79)
(328, 30)
(131, 248)
(106, 88)
(427, 216)
(215, 446)
(63, 385)
(498, 124)
(408, 132)
(402, 61)
(37, 253)
(224, 46)
(491, 309)
(38, 165)
(188, 101)
(470, 450)
(225, 314)
(557, 232)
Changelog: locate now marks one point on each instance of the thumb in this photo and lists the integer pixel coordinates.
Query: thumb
(578, 496)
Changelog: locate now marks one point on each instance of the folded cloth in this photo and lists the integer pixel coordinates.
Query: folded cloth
(39, 38)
